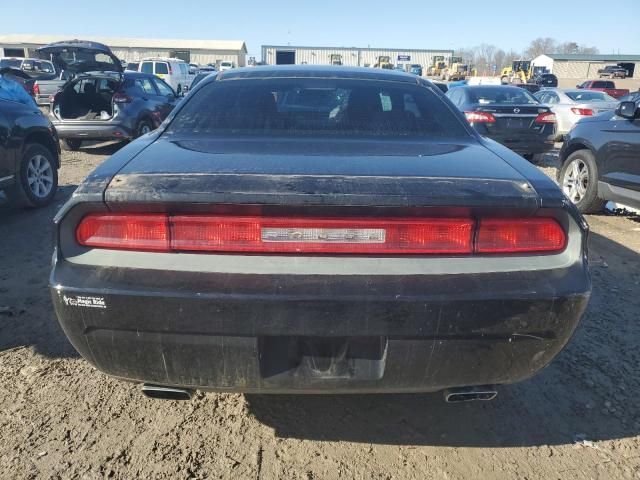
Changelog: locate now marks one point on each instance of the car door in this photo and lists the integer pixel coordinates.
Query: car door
(167, 98)
(150, 99)
(620, 155)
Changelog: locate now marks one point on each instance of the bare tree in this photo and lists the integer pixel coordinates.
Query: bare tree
(573, 47)
(540, 46)
(484, 57)
(499, 59)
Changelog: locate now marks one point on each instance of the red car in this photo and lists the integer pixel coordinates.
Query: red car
(606, 86)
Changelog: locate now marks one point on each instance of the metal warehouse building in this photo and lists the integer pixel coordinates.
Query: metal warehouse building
(133, 49)
(351, 56)
(567, 65)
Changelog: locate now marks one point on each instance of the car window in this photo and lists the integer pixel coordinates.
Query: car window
(590, 96)
(552, 98)
(146, 86)
(501, 95)
(541, 96)
(163, 88)
(28, 65)
(147, 67)
(44, 66)
(162, 68)
(602, 84)
(183, 68)
(326, 107)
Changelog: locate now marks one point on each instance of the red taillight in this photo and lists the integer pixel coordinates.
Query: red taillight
(546, 117)
(120, 97)
(124, 231)
(159, 232)
(585, 112)
(480, 117)
(519, 235)
(36, 89)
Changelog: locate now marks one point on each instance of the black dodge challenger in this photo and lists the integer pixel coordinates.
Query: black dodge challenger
(319, 230)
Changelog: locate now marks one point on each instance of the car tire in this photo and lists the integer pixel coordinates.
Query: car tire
(36, 179)
(71, 144)
(578, 179)
(143, 127)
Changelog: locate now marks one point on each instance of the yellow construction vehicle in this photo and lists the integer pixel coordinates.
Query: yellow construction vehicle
(438, 66)
(519, 69)
(457, 70)
(383, 61)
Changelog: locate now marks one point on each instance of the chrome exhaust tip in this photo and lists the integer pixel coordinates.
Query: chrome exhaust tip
(470, 394)
(166, 393)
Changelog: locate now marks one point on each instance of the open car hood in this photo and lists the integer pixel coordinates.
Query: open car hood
(79, 56)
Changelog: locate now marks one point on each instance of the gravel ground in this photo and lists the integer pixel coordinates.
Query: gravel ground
(60, 418)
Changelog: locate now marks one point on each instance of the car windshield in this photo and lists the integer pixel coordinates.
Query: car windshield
(501, 95)
(307, 107)
(589, 96)
(10, 62)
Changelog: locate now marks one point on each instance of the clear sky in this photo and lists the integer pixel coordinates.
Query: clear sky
(441, 24)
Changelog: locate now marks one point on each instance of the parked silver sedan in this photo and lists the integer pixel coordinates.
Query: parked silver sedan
(572, 105)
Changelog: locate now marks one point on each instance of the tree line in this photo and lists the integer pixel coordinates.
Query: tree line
(485, 56)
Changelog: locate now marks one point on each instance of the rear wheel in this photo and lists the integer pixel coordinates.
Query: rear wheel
(72, 144)
(144, 127)
(37, 179)
(578, 179)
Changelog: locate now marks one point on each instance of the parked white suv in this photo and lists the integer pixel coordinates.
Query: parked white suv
(173, 71)
(226, 65)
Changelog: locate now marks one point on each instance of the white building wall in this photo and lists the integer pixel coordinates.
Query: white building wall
(543, 61)
(201, 57)
(353, 56)
(132, 54)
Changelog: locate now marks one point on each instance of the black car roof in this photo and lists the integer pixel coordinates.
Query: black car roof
(317, 71)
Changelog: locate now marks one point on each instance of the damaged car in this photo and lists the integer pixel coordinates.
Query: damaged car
(299, 229)
(110, 106)
(95, 99)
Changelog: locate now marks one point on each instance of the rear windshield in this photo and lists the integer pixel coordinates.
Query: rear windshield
(589, 96)
(603, 84)
(328, 107)
(500, 96)
(147, 67)
(161, 68)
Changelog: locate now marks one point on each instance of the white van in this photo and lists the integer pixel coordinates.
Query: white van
(226, 65)
(173, 71)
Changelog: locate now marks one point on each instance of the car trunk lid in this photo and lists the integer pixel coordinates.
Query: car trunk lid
(79, 56)
(319, 172)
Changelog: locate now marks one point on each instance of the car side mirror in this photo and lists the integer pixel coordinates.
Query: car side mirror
(627, 110)
(579, 86)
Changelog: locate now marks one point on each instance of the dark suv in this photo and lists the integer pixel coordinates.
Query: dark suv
(546, 80)
(29, 155)
(601, 159)
(110, 105)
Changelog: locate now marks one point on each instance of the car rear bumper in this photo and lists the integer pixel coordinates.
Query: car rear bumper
(275, 331)
(526, 144)
(107, 130)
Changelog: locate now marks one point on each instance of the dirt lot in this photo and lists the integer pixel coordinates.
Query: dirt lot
(59, 418)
